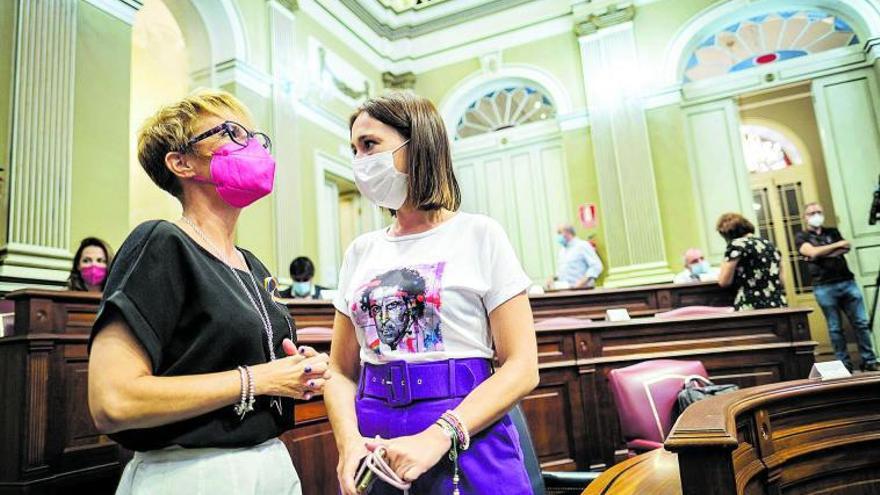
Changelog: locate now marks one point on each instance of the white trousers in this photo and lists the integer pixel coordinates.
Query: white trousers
(264, 468)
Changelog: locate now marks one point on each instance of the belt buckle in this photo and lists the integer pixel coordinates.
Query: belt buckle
(399, 391)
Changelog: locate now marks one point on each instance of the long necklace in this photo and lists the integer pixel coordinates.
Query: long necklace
(259, 308)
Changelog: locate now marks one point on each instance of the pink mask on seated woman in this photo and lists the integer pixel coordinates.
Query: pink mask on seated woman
(93, 274)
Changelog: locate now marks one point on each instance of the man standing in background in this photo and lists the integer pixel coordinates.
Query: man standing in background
(577, 264)
(835, 287)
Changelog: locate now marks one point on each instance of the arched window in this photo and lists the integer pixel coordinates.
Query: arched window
(766, 150)
(766, 39)
(504, 108)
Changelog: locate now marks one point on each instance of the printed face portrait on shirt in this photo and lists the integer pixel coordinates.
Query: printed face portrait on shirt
(399, 310)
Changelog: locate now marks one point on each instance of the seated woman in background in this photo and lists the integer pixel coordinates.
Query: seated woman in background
(752, 265)
(89, 271)
(193, 364)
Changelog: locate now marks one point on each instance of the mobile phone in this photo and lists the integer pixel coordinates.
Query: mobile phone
(364, 477)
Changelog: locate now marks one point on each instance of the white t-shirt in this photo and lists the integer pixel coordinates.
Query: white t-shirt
(426, 296)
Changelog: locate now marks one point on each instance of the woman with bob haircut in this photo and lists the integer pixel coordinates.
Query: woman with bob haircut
(423, 308)
(193, 364)
(752, 265)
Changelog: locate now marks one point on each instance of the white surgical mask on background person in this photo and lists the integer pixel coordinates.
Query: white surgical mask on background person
(816, 220)
(379, 181)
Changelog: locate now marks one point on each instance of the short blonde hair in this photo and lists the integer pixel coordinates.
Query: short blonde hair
(171, 128)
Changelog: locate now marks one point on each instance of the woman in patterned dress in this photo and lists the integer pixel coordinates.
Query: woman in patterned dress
(752, 265)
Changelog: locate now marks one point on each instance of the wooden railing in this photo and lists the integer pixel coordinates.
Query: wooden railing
(798, 437)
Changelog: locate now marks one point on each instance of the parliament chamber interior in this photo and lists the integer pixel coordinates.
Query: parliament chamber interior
(628, 246)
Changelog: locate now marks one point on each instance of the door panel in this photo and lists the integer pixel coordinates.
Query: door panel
(720, 179)
(525, 189)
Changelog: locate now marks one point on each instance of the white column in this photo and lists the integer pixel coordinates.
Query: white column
(36, 251)
(630, 209)
(289, 218)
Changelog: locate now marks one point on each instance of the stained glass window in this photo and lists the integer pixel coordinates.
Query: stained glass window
(766, 39)
(766, 149)
(504, 108)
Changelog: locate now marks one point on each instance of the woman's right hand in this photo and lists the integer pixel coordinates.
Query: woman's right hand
(300, 375)
(350, 455)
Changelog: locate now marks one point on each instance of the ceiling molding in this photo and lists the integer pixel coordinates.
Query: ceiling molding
(394, 31)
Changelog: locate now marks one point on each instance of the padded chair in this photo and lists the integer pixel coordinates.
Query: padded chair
(311, 335)
(546, 483)
(694, 311)
(645, 395)
(561, 322)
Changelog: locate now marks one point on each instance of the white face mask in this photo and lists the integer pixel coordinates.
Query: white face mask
(379, 181)
(816, 220)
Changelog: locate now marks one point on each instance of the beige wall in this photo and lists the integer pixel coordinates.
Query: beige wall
(159, 75)
(100, 190)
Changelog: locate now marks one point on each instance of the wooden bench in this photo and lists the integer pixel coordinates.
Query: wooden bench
(639, 301)
(797, 437)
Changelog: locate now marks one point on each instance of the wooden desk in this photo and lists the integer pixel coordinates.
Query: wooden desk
(798, 437)
(572, 413)
(642, 300)
(49, 441)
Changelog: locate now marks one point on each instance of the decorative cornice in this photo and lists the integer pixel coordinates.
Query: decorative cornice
(124, 10)
(407, 80)
(611, 17)
(243, 74)
(354, 94)
(484, 9)
(290, 5)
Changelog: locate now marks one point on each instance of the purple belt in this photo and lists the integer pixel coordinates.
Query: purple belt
(400, 383)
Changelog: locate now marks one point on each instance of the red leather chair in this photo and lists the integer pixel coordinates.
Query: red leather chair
(313, 335)
(695, 311)
(645, 394)
(561, 322)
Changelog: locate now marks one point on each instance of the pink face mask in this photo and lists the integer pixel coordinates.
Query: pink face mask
(94, 274)
(242, 175)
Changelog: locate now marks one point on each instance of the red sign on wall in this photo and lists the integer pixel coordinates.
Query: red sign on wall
(588, 215)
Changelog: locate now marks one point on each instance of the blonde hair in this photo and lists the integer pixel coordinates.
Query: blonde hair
(171, 128)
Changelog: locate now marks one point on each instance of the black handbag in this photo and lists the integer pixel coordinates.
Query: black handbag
(697, 388)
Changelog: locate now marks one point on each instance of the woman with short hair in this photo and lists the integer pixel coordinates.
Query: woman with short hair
(192, 360)
(752, 265)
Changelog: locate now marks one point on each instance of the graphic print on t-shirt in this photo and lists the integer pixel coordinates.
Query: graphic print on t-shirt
(399, 310)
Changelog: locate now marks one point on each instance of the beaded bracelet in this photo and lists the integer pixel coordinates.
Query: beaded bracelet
(246, 404)
(451, 432)
(241, 408)
(251, 389)
(464, 437)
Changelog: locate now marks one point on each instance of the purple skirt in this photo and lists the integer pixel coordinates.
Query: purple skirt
(494, 462)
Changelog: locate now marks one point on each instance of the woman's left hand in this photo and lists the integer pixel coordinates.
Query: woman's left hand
(411, 456)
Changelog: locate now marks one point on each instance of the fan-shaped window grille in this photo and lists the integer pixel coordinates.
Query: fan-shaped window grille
(503, 109)
(766, 150)
(766, 39)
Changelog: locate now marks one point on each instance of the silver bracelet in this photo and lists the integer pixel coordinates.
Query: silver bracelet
(241, 408)
(251, 389)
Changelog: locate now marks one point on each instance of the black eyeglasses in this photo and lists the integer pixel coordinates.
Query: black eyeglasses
(235, 131)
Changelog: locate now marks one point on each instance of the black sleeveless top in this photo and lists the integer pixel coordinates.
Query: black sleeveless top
(192, 317)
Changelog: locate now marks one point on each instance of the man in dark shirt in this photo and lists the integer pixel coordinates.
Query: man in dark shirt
(834, 286)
